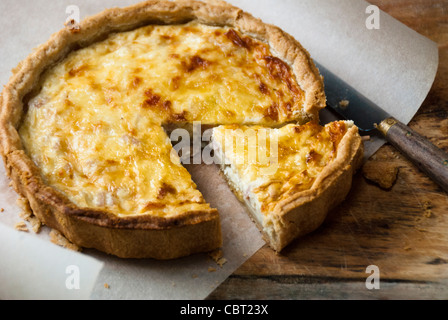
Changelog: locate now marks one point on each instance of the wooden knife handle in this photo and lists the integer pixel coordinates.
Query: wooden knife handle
(430, 159)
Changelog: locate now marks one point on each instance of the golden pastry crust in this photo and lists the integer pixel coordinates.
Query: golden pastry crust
(143, 236)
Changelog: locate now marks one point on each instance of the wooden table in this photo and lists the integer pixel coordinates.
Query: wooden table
(403, 231)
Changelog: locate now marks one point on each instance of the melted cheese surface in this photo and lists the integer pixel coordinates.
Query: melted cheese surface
(273, 164)
(95, 130)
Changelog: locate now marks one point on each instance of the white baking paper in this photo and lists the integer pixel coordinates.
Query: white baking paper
(28, 263)
(393, 66)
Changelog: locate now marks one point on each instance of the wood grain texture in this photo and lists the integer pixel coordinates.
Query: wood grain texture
(430, 159)
(403, 230)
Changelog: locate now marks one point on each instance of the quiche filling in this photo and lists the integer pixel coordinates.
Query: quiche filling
(282, 162)
(95, 127)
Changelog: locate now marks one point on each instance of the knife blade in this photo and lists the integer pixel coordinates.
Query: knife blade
(349, 104)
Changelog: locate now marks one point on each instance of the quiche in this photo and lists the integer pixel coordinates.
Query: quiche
(86, 119)
(290, 177)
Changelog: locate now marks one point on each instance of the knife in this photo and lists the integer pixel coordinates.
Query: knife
(349, 104)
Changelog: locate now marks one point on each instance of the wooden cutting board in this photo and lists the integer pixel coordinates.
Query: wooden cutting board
(403, 231)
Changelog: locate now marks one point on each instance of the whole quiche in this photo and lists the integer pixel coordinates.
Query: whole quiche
(85, 123)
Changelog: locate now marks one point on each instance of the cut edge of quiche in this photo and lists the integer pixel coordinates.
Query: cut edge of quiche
(289, 188)
(138, 236)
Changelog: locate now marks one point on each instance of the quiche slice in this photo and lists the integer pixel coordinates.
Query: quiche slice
(290, 177)
(83, 119)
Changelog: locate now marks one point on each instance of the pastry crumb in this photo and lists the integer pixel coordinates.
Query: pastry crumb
(2, 210)
(427, 213)
(343, 104)
(57, 238)
(221, 261)
(25, 206)
(73, 26)
(194, 276)
(106, 286)
(211, 269)
(217, 256)
(21, 226)
(384, 174)
(36, 225)
(365, 138)
(27, 215)
(24, 215)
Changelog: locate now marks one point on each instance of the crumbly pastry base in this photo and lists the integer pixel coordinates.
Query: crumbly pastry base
(142, 236)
